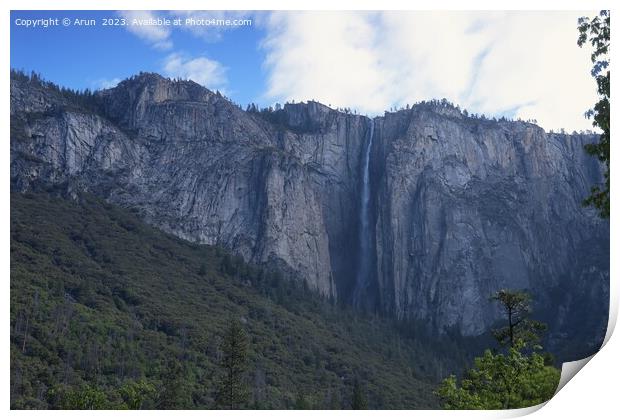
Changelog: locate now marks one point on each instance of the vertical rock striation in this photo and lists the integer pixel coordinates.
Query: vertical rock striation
(470, 206)
(421, 213)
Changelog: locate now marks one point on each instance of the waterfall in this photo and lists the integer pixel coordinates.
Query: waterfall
(365, 233)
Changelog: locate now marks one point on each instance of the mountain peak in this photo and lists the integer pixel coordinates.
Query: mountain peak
(160, 88)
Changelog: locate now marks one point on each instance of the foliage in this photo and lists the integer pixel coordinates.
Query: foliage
(514, 379)
(86, 397)
(100, 299)
(136, 394)
(516, 306)
(174, 393)
(596, 32)
(232, 389)
(501, 381)
(85, 99)
(359, 397)
(302, 403)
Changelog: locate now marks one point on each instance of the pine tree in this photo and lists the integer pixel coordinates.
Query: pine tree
(302, 403)
(232, 390)
(515, 379)
(516, 306)
(359, 397)
(202, 271)
(173, 394)
(332, 400)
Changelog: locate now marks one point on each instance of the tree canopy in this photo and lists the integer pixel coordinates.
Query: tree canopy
(501, 381)
(515, 378)
(596, 32)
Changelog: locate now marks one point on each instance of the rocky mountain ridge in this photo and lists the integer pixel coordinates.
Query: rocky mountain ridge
(460, 206)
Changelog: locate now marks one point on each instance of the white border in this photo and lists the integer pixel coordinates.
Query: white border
(593, 393)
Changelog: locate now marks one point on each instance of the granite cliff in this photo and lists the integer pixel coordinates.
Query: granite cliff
(457, 207)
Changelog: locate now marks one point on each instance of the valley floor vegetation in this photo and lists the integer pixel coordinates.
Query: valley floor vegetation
(109, 312)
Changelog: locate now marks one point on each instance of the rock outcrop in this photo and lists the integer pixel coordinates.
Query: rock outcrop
(460, 206)
(466, 207)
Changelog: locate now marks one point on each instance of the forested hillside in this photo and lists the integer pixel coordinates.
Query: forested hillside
(103, 306)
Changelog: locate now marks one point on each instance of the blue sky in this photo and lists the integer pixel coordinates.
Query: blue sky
(94, 57)
(516, 64)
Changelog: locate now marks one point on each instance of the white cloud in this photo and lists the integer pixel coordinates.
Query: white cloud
(140, 23)
(521, 63)
(209, 73)
(106, 83)
(331, 57)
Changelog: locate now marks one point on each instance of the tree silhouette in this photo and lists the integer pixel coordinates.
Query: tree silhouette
(596, 31)
(516, 306)
(232, 389)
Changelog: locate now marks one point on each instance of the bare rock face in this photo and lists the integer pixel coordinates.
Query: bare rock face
(199, 167)
(460, 206)
(466, 207)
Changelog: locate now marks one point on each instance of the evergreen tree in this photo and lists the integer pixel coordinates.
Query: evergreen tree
(501, 381)
(514, 379)
(202, 270)
(301, 402)
(359, 397)
(232, 390)
(516, 306)
(173, 394)
(333, 400)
